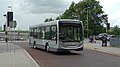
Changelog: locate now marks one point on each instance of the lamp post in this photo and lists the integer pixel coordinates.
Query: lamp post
(9, 17)
(87, 22)
(6, 31)
(13, 25)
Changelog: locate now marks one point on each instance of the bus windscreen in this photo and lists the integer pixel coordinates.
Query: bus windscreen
(70, 32)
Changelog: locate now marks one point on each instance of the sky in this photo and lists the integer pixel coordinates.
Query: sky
(32, 12)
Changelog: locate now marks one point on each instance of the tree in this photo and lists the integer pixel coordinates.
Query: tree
(116, 30)
(50, 19)
(91, 11)
(46, 20)
(69, 13)
(57, 18)
(87, 11)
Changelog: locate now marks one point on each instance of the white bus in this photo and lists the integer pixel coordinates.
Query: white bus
(58, 35)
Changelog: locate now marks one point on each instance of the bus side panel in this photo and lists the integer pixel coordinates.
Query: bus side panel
(53, 45)
(30, 42)
(39, 43)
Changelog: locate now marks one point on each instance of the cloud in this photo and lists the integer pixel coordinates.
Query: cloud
(24, 10)
(107, 3)
(112, 8)
(3, 10)
(26, 20)
(44, 6)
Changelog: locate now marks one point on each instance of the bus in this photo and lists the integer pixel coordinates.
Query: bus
(57, 36)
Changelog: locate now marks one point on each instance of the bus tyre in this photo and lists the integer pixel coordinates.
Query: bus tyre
(47, 48)
(34, 46)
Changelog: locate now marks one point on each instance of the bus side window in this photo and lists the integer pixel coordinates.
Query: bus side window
(35, 33)
(30, 32)
(42, 33)
(53, 32)
(47, 33)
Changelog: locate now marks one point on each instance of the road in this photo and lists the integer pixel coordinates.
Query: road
(86, 58)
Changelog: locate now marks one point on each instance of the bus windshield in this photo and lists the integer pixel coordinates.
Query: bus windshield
(70, 32)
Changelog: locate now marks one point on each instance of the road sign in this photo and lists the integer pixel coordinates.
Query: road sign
(13, 24)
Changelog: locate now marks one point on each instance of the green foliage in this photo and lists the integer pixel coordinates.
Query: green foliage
(116, 30)
(87, 11)
(69, 13)
(57, 18)
(46, 20)
(110, 31)
(50, 19)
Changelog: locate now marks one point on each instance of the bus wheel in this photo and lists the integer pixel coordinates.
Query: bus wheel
(34, 45)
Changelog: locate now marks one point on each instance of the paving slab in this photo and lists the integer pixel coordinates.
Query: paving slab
(19, 58)
(98, 46)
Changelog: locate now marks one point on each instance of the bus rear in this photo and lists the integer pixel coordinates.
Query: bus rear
(71, 35)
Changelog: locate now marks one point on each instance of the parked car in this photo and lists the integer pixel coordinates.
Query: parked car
(110, 36)
(99, 37)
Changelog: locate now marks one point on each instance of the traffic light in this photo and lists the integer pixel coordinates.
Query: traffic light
(108, 26)
(9, 18)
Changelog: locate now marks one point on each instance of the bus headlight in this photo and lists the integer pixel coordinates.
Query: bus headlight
(81, 43)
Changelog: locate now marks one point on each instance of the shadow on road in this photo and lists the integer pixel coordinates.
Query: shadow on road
(66, 53)
(60, 53)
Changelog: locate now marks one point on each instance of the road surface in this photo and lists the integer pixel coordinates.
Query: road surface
(86, 58)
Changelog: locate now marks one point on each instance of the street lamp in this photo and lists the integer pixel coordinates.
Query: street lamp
(9, 17)
(87, 22)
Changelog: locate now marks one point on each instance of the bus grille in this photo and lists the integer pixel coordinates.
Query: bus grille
(70, 45)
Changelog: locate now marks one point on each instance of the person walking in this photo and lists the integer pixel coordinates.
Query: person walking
(104, 40)
(91, 39)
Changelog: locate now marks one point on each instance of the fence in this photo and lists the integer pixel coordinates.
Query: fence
(115, 42)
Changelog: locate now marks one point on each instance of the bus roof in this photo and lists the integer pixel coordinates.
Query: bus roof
(53, 22)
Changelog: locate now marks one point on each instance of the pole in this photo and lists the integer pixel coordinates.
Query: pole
(14, 35)
(106, 28)
(87, 23)
(6, 38)
(9, 38)
(6, 32)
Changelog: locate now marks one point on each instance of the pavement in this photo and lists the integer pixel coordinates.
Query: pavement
(98, 47)
(15, 58)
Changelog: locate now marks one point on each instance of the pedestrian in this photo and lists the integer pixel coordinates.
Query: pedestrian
(104, 40)
(90, 38)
